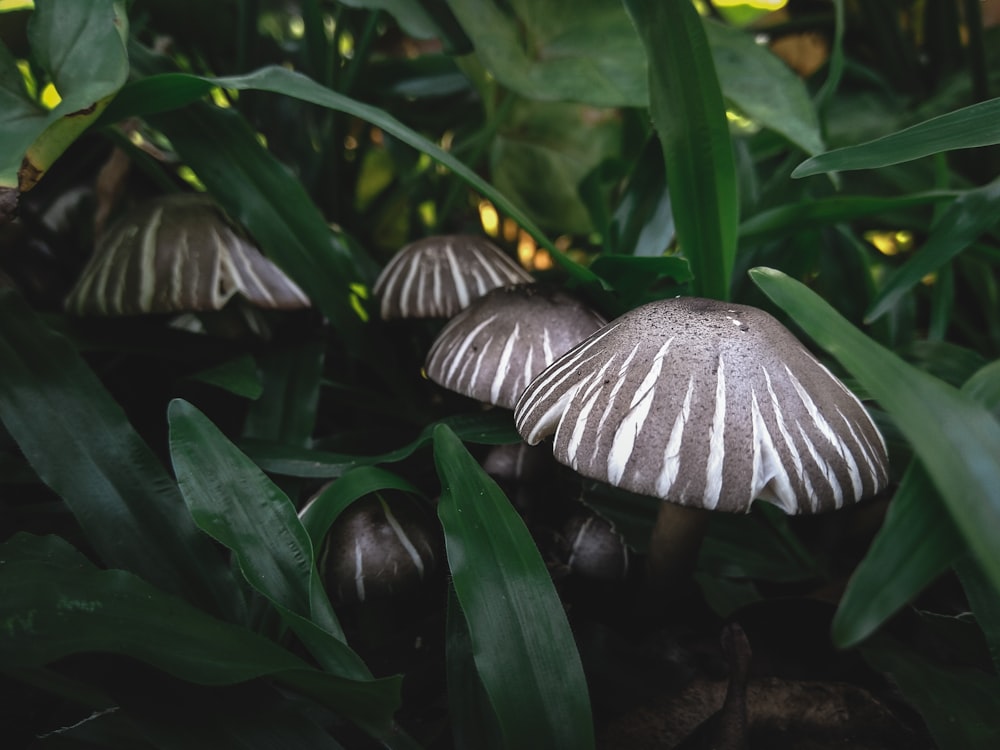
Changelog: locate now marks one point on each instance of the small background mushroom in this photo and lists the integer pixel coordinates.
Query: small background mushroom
(439, 276)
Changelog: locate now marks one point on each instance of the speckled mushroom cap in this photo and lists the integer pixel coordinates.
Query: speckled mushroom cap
(178, 253)
(706, 404)
(494, 348)
(439, 276)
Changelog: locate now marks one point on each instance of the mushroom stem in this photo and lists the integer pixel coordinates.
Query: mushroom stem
(673, 547)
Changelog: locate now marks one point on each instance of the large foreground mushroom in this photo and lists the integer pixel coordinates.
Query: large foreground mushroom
(439, 276)
(708, 405)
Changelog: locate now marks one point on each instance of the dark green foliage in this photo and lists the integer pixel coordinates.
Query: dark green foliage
(155, 545)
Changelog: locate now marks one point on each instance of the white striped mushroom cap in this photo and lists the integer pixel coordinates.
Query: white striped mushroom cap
(178, 253)
(438, 276)
(706, 404)
(495, 347)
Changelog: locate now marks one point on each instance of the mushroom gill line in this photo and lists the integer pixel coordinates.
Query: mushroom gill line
(672, 451)
(623, 444)
(503, 366)
(768, 471)
(716, 441)
(397, 529)
(461, 289)
(827, 432)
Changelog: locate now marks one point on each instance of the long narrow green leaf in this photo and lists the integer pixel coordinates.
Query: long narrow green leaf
(916, 544)
(795, 217)
(969, 127)
(50, 611)
(487, 428)
(80, 443)
(170, 90)
(957, 228)
(522, 645)
(690, 117)
(957, 440)
(234, 502)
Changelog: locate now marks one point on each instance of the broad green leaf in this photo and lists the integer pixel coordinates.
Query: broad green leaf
(322, 510)
(49, 612)
(234, 502)
(543, 52)
(591, 56)
(171, 90)
(82, 47)
(489, 428)
(763, 87)
(969, 127)
(957, 228)
(810, 214)
(80, 443)
(957, 440)
(429, 19)
(690, 118)
(958, 704)
(542, 152)
(238, 376)
(522, 645)
(637, 280)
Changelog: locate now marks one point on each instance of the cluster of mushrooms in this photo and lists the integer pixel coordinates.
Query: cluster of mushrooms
(700, 403)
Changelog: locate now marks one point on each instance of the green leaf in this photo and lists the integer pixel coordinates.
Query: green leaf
(82, 47)
(171, 90)
(489, 428)
(522, 645)
(690, 118)
(916, 544)
(544, 53)
(80, 443)
(956, 439)
(643, 224)
(543, 151)
(763, 87)
(959, 705)
(957, 228)
(238, 376)
(810, 214)
(49, 612)
(234, 502)
(969, 127)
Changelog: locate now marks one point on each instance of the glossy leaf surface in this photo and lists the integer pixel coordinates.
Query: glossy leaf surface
(522, 645)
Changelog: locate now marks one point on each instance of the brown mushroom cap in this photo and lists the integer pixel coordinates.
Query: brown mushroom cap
(178, 253)
(494, 348)
(706, 404)
(439, 276)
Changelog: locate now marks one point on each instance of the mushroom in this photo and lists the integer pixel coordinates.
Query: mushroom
(494, 348)
(708, 405)
(178, 253)
(439, 276)
(383, 545)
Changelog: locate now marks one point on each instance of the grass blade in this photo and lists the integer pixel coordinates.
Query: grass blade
(956, 439)
(522, 645)
(690, 117)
